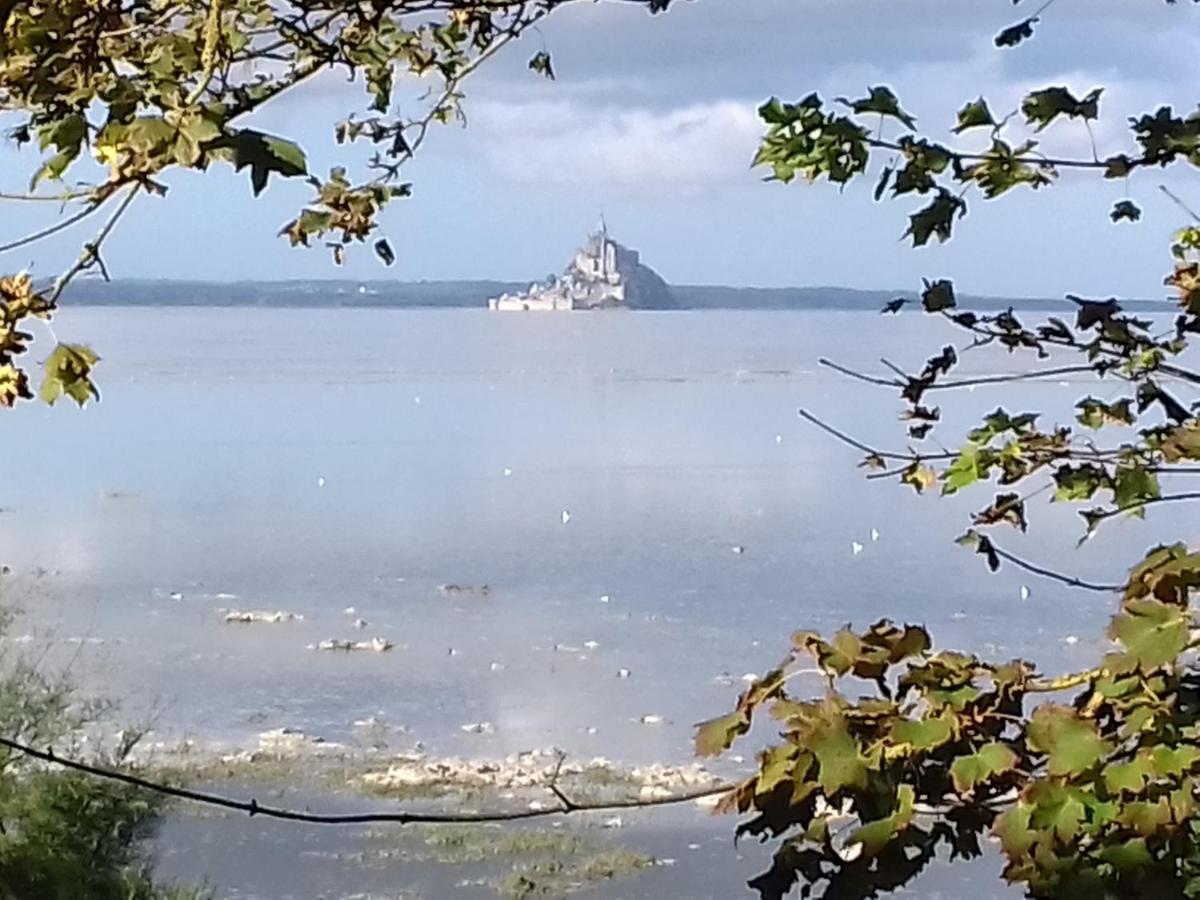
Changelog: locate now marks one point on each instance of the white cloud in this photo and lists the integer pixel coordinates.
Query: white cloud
(570, 144)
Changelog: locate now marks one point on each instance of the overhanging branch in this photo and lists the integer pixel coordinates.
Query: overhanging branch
(253, 808)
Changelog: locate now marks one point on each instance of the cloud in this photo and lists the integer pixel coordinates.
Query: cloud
(570, 144)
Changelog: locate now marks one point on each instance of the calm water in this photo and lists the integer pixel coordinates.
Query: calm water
(450, 443)
(314, 461)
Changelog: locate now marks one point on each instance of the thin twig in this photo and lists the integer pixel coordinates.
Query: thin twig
(859, 445)
(861, 376)
(1179, 202)
(56, 227)
(254, 808)
(1149, 501)
(1031, 375)
(1069, 580)
(1056, 162)
(91, 251)
(65, 197)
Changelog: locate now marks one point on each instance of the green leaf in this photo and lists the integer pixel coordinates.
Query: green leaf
(936, 219)
(1172, 762)
(964, 471)
(1076, 483)
(1128, 856)
(1070, 742)
(875, 836)
(265, 154)
(1005, 167)
(975, 114)
(839, 757)
(988, 762)
(776, 765)
(68, 372)
(1145, 817)
(938, 295)
(882, 101)
(1044, 106)
(1014, 34)
(924, 734)
(66, 135)
(716, 736)
(1058, 810)
(1153, 633)
(1132, 486)
(1014, 830)
(1125, 210)
(1096, 414)
(1127, 778)
(982, 545)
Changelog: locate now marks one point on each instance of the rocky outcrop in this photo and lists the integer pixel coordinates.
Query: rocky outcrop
(249, 617)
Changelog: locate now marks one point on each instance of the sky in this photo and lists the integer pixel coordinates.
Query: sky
(651, 122)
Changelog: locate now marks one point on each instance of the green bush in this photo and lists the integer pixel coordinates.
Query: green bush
(63, 835)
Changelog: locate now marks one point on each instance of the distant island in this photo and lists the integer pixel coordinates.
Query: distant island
(601, 275)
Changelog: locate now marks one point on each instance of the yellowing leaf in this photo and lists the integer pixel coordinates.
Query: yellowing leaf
(68, 371)
(988, 762)
(716, 736)
(1070, 742)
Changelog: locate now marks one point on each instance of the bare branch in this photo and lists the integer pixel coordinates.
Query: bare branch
(1031, 375)
(65, 197)
(91, 251)
(1042, 571)
(253, 808)
(62, 225)
(861, 376)
(1149, 501)
(865, 448)
(1178, 202)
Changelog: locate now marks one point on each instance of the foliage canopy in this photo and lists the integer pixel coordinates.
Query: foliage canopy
(1089, 781)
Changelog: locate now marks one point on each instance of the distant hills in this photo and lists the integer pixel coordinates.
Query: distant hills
(451, 294)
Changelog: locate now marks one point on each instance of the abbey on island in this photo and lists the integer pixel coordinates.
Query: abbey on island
(602, 274)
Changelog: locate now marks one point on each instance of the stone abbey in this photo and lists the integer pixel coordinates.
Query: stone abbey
(603, 274)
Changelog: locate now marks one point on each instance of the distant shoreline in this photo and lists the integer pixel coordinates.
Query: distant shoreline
(474, 294)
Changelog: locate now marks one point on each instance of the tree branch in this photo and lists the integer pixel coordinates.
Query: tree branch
(253, 808)
(962, 382)
(1042, 571)
(57, 226)
(1149, 501)
(1028, 159)
(1178, 202)
(865, 448)
(1079, 679)
(91, 251)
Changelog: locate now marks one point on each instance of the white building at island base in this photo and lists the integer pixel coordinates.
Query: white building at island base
(593, 280)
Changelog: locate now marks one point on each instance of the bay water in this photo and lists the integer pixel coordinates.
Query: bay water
(636, 491)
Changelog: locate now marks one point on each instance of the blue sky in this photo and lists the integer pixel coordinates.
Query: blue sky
(651, 122)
